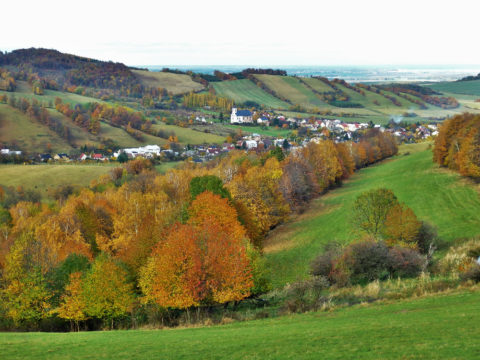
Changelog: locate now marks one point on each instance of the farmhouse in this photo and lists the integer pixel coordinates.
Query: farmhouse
(241, 116)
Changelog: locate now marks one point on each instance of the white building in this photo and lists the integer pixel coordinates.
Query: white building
(147, 151)
(241, 116)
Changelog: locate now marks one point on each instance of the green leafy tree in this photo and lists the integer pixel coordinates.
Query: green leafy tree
(371, 208)
(210, 183)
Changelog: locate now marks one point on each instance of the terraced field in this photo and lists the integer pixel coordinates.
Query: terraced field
(436, 195)
(244, 90)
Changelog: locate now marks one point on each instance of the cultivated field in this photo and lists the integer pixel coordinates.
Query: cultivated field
(244, 90)
(436, 195)
(440, 327)
(458, 87)
(174, 83)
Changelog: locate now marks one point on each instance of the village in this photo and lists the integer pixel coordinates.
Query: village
(308, 130)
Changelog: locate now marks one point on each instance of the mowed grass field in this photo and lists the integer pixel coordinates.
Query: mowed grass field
(436, 195)
(174, 83)
(244, 90)
(440, 327)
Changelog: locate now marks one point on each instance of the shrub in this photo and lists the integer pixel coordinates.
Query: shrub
(404, 262)
(458, 259)
(322, 265)
(473, 274)
(366, 261)
(306, 295)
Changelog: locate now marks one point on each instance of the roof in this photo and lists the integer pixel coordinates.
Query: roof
(244, 113)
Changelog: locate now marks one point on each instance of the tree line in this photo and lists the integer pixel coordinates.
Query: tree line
(457, 145)
(138, 244)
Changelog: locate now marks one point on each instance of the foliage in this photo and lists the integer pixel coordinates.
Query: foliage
(210, 183)
(371, 209)
(106, 291)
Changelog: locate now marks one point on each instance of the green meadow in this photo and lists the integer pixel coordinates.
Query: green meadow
(440, 327)
(436, 195)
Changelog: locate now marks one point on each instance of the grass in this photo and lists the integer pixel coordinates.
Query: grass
(27, 135)
(436, 195)
(244, 90)
(440, 327)
(164, 167)
(269, 131)
(45, 177)
(190, 136)
(24, 90)
(174, 83)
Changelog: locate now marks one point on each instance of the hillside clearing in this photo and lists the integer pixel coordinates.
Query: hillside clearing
(435, 195)
(174, 83)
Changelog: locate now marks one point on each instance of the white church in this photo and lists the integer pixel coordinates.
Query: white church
(241, 116)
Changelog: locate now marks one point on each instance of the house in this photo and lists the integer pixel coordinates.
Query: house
(251, 144)
(83, 157)
(45, 157)
(263, 121)
(61, 156)
(10, 152)
(98, 157)
(241, 116)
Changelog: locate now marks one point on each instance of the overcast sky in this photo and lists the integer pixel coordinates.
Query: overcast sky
(249, 32)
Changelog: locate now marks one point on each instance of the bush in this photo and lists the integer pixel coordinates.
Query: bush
(404, 262)
(322, 265)
(367, 261)
(306, 295)
(473, 274)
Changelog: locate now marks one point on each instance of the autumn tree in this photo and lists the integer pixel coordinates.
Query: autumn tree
(402, 226)
(73, 304)
(106, 290)
(202, 262)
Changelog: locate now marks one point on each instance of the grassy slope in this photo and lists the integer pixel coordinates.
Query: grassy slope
(440, 327)
(318, 85)
(26, 133)
(244, 90)
(189, 136)
(24, 90)
(460, 87)
(175, 83)
(436, 195)
(44, 177)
